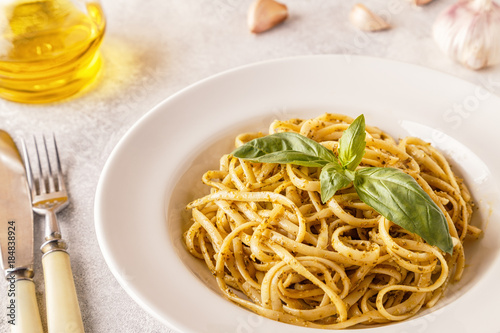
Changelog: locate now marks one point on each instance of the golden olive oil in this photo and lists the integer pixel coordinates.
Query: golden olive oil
(48, 49)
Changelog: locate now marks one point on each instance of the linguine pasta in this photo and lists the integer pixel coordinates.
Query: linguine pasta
(275, 249)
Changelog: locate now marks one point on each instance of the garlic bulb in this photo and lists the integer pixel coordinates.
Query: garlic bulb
(469, 32)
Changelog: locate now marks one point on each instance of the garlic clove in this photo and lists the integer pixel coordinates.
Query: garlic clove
(469, 33)
(366, 20)
(265, 14)
(421, 2)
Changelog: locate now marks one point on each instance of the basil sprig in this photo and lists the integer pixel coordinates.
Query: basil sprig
(391, 192)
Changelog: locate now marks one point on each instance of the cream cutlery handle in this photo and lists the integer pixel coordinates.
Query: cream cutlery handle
(27, 315)
(63, 311)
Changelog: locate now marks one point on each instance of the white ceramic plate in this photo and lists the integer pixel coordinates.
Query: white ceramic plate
(156, 169)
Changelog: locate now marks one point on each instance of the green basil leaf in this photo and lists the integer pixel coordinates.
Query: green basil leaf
(332, 178)
(352, 144)
(286, 147)
(399, 198)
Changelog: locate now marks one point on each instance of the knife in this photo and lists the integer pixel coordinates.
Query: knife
(16, 240)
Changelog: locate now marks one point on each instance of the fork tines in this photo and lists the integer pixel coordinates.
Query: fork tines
(43, 183)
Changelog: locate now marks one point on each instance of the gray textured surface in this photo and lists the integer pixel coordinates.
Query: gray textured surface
(154, 48)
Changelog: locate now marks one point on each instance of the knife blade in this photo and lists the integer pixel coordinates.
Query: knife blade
(16, 239)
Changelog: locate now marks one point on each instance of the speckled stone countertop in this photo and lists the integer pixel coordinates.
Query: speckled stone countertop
(154, 48)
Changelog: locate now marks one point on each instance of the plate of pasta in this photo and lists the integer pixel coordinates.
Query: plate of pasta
(319, 192)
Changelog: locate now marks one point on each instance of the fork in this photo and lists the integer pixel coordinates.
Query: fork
(49, 196)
